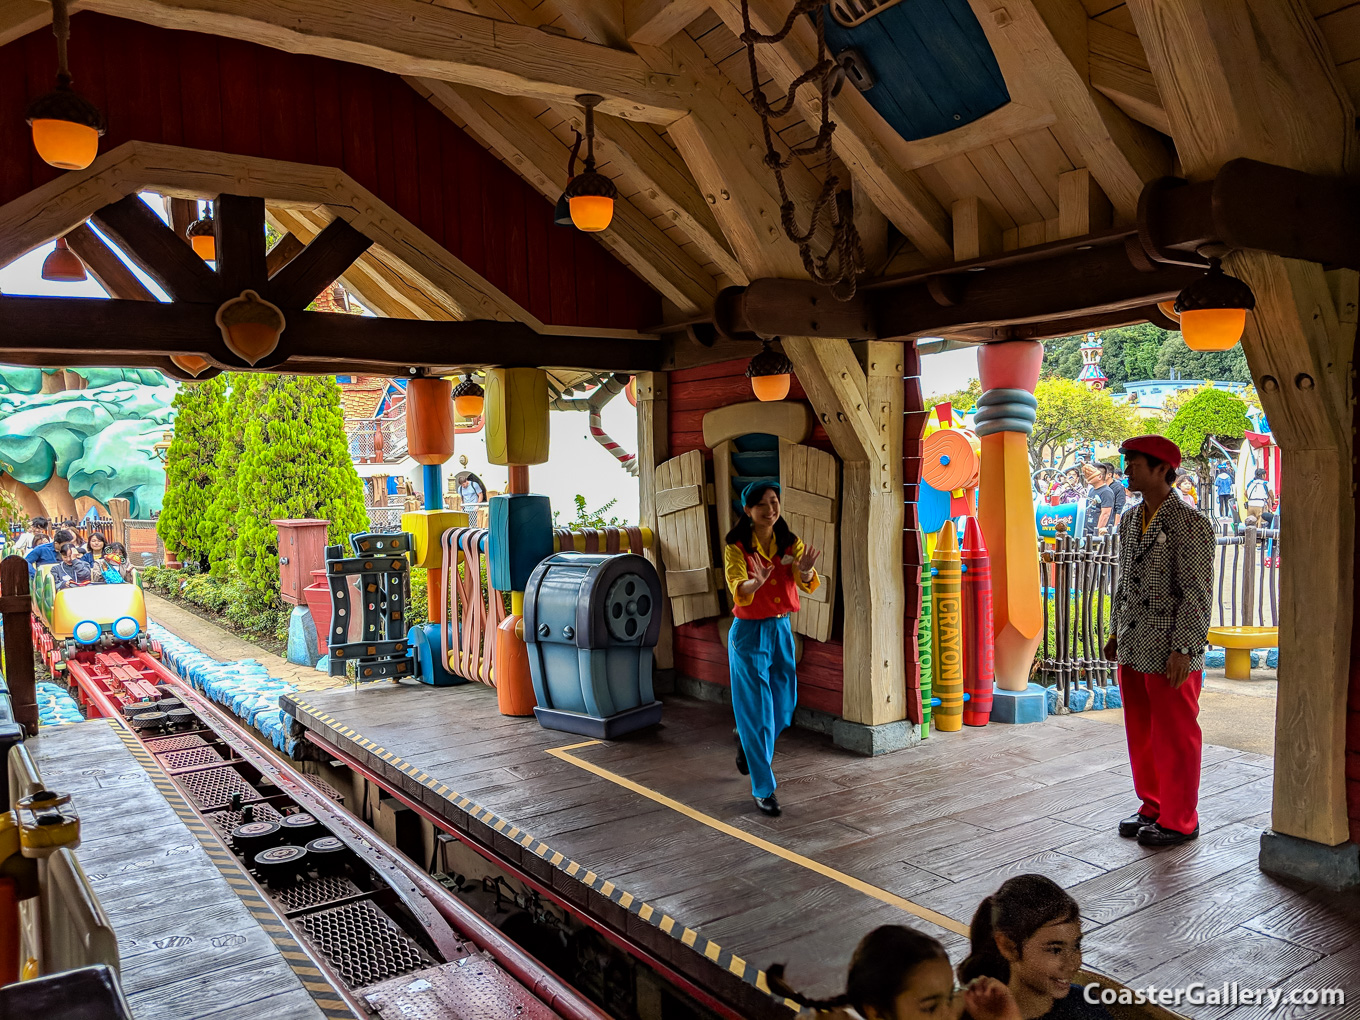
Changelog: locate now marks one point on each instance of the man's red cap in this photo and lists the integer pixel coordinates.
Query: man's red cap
(1156, 447)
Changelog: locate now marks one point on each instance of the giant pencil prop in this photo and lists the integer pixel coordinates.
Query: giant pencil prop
(977, 626)
(1004, 420)
(947, 630)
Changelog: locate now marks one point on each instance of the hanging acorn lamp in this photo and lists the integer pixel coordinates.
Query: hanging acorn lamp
(590, 195)
(202, 235)
(66, 127)
(770, 373)
(468, 397)
(63, 265)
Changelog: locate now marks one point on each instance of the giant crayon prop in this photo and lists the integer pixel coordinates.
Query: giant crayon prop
(947, 630)
(925, 652)
(976, 592)
(1004, 420)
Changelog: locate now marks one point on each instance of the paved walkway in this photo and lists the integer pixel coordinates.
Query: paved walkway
(222, 644)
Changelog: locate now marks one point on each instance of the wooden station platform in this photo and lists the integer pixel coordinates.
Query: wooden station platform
(191, 947)
(656, 835)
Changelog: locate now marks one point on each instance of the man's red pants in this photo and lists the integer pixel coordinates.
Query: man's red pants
(1165, 744)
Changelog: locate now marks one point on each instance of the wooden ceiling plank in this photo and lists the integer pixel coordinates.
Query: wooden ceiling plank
(412, 38)
(103, 263)
(154, 248)
(20, 17)
(860, 133)
(655, 22)
(1027, 178)
(1131, 89)
(1050, 37)
(537, 154)
(318, 265)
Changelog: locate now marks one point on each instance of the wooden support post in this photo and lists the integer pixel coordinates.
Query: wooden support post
(860, 406)
(653, 446)
(1082, 206)
(18, 617)
(1255, 79)
(976, 234)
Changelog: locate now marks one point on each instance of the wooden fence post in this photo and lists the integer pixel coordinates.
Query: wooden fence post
(1248, 571)
(18, 616)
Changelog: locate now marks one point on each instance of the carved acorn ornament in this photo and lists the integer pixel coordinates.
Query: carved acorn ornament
(250, 326)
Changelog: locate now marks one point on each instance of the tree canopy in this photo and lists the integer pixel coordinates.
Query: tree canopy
(1144, 351)
(1070, 416)
(1210, 413)
(199, 409)
(962, 400)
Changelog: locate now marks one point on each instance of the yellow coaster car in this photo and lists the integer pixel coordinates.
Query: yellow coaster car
(94, 616)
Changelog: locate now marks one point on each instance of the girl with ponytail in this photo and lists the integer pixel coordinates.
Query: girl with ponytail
(899, 973)
(766, 566)
(1028, 934)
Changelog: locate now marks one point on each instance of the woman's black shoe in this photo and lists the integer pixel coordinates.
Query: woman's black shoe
(768, 806)
(742, 767)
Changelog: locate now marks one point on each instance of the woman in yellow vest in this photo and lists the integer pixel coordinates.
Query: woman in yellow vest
(766, 566)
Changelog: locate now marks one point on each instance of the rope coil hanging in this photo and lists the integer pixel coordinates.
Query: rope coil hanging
(841, 264)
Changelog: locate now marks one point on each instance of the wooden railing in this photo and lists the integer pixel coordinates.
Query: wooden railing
(1077, 576)
(1247, 578)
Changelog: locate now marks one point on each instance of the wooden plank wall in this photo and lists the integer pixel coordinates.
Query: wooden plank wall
(218, 94)
(699, 650)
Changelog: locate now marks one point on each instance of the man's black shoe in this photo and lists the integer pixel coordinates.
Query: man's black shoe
(1129, 827)
(1155, 835)
(742, 767)
(768, 806)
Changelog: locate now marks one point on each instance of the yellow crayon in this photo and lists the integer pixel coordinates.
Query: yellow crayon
(947, 630)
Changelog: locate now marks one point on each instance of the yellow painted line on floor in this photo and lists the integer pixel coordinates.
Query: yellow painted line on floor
(850, 881)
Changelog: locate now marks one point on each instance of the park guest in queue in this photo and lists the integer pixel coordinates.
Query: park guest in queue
(1028, 935)
(1158, 626)
(766, 566)
(899, 973)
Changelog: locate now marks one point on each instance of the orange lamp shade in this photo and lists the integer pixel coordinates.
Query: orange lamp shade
(1213, 329)
(429, 420)
(770, 387)
(1168, 308)
(63, 265)
(205, 246)
(592, 213)
(469, 406)
(65, 144)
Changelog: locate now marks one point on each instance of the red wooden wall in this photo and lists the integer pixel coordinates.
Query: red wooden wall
(207, 92)
(699, 651)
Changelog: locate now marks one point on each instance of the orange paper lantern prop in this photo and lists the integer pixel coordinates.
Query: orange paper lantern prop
(429, 420)
(251, 326)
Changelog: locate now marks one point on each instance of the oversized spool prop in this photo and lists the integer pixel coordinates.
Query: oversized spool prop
(429, 441)
(950, 465)
(520, 535)
(1004, 420)
(947, 630)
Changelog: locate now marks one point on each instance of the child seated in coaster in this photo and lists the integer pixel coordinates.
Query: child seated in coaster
(108, 568)
(70, 569)
(899, 973)
(1028, 934)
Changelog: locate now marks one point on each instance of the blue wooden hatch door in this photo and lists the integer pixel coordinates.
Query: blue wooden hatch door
(932, 66)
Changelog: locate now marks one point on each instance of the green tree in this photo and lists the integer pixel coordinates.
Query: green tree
(1222, 366)
(294, 463)
(962, 400)
(189, 468)
(1069, 416)
(1128, 353)
(246, 393)
(1211, 414)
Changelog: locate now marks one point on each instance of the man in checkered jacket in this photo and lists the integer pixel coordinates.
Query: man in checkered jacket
(1158, 626)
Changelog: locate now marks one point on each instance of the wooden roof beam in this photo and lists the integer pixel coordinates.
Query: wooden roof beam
(897, 192)
(58, 328)
(426, 40)
(656, 22)
(1118, 69)
(20, 17)
(538, 155)
(156, 250)
(103, 263)
(1050, 37)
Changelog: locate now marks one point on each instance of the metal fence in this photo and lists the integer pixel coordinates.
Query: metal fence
(1078, 575)
(1247, 578)
(377, 440)
(385, 520)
